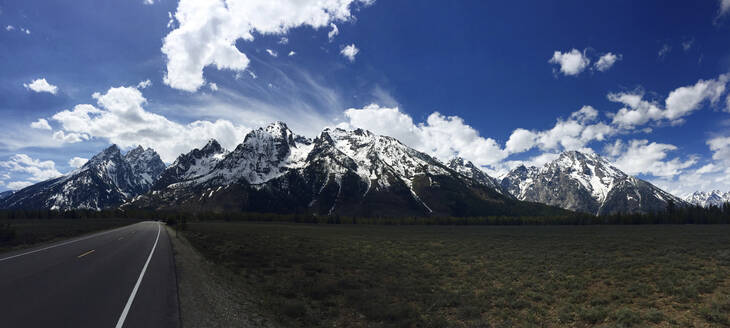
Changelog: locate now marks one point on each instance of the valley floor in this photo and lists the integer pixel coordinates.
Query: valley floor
(475, 276)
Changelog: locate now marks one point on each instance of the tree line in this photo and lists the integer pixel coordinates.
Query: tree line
(673, 215)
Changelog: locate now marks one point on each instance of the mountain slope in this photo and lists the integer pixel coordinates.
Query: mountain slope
(469, 170)
(707, 199)
(339, 172)
(196, 163)
(586, 183)
(6, 194)
(107, 179)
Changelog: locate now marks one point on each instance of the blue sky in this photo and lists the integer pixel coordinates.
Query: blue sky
(499, 83)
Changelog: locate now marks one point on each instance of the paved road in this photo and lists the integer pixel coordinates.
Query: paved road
(119, 278)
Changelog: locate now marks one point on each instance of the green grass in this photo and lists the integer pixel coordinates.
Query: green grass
(476, 276)
(26, 232)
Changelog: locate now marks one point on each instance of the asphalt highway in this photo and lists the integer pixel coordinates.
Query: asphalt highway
(118, 278)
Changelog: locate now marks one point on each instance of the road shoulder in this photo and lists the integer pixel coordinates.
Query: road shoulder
(208, 293)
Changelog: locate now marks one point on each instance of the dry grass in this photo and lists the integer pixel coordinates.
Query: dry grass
(475, 276)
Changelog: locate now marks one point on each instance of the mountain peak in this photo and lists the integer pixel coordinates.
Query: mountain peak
(212, 147)
(585, 182)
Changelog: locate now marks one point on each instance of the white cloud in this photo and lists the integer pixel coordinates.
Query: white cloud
(283, 40)
(148, 2)
(708, 168)
(212, 86)
(41, 124)
(170, 20)
(680, 103)
(606, 61)
(77, 162)
(144, 84)
(520, 140)
(208, 30)
(684, 100)
(17, 185)
(664, 50)
(720, 146)
(331, 35)
(687, 44)
(36, 169)
(571, 134)
(272, 53)
(70, 137)
(724, 7)
(642, 157)
(25, 30)
(350, 52)
(441, 136)
(41, 85)
(292, 53)
(571, 63)
(9, 28)
(122, 119)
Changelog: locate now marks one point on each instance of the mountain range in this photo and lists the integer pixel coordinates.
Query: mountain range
(707, 199)
(355, 173)
(106, 180)
(586, 183)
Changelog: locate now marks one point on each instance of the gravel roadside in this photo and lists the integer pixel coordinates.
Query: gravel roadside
(208, 294)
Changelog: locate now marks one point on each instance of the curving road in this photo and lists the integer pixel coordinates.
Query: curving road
(118, 278)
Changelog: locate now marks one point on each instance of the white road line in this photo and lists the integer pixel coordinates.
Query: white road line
(120, 322)
(61, 244)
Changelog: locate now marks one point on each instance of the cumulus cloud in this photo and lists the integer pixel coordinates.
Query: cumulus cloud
(77, 162)
(332, 33)
(643, 157)
(70, 137)
(272, 53)
(41, 124)
(283, 40)
(212, 86)
(122, 119)
(350, 52)
(17, 185)
(606, 61)
(9, 28)
(149, 2)
(440, 136)
(720, 147)
(680, 103)
(41, 85)
(36, 169)
(521, 140)
(571, 63)
(292, 53)
(573, 133)
(144, 84)
(207, 32)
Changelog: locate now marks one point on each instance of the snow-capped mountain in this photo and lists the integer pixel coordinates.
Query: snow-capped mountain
(707, 199)
(586, 183)
(338, 172)
(194, 164)
(107, 179)
(6, 194)
(468, 169)
(146, 165)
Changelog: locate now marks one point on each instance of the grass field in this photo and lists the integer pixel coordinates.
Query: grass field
(26, 232)
(475, 276)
